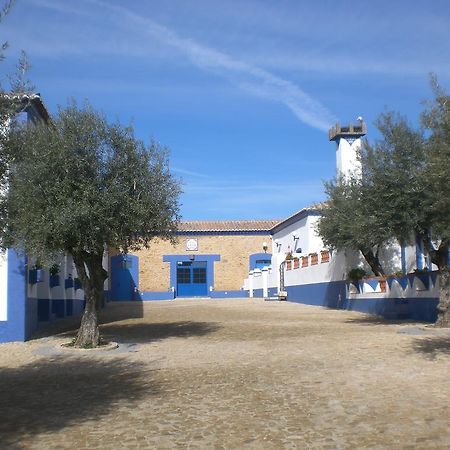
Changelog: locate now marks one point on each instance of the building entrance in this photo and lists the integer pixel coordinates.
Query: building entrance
(191, 278)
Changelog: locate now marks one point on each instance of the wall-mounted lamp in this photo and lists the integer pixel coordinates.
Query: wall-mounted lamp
(277, 243)
(265, 246)
(294, 236)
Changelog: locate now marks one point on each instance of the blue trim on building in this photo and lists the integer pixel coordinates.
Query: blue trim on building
(19, 324)
(419, 253)
(148, 296)
(331, 294)
(258, 257)
(229, 294)
(124, 278)
(174, 259)
(422, 309)
(403, 256)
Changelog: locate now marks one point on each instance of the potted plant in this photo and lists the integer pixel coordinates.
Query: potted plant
(36, 274)
(76, 283)
(54, 275)
(324, 256)
(289, 256)
(68, 283)
(355, 276)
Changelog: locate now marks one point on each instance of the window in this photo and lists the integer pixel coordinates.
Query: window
(199, 275)
(183, 275)
(260, 263)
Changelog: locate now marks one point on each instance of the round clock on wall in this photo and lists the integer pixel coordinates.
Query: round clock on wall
(191, 245)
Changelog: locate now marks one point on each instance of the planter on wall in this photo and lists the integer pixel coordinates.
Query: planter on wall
(296, 263)
(35, 276)
(288, 265)
(325, 256)
(314, 259)
(304, 261)
(77, 284)
(53, 280)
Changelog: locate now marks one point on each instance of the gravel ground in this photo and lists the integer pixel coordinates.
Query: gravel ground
(232, 374)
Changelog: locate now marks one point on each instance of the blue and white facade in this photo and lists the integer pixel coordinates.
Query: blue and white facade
(317, 276)
(30, 296)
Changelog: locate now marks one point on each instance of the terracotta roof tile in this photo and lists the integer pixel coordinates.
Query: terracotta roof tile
(227, 225)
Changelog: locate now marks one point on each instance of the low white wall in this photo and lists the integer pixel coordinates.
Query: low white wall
(335, 269)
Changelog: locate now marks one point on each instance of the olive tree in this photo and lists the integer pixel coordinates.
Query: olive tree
(80, 184)
(403, 192)
(348, 222)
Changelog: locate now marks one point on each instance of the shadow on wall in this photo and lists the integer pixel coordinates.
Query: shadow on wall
(47, 396)
(142, 333)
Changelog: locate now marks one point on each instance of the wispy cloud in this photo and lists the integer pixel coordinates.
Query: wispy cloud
(189, 173)
(250, 78)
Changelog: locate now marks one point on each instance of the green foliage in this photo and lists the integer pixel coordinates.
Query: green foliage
(392, 175)
(403, 189)
(436, 120)
(357, 274)
(83, 183)
(54, 269)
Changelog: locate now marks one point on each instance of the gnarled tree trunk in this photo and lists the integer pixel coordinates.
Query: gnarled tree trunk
(92, 276)
(443, 319)
(373, 261)
(440, 257)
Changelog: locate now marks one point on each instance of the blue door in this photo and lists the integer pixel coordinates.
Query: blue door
(191, 279)
(124, 277)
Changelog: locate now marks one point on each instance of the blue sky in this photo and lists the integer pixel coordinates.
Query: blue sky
(242, 92)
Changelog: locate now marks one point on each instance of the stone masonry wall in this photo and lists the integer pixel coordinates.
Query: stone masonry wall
(229, 272)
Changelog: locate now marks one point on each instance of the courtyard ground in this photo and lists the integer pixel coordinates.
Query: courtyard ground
(231, 374)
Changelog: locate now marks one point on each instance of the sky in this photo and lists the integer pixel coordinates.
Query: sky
(241, 91)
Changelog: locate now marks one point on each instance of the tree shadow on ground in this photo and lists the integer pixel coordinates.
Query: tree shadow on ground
(379, 320)
(47, 396)
(113, 312)
(148, 332)
(433, 346)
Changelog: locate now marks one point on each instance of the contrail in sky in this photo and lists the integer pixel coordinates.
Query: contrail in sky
(251, 78)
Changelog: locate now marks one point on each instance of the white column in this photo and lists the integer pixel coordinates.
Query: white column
(265, 281)
(250, 284)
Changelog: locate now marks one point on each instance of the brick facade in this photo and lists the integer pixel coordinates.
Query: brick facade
(229, 273)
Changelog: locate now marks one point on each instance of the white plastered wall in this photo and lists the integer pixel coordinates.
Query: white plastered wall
(3, 286)
(346, 157)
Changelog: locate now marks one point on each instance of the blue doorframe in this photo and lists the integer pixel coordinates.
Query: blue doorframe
(259, 260)
(175, 259)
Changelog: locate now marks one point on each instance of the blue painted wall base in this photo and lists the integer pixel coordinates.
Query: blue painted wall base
(333, 295)
(228, 294)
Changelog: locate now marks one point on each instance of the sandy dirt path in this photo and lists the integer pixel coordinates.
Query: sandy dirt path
(230, 374)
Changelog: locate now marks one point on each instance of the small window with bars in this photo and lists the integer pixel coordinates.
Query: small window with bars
(199, 275)
(183, 276)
